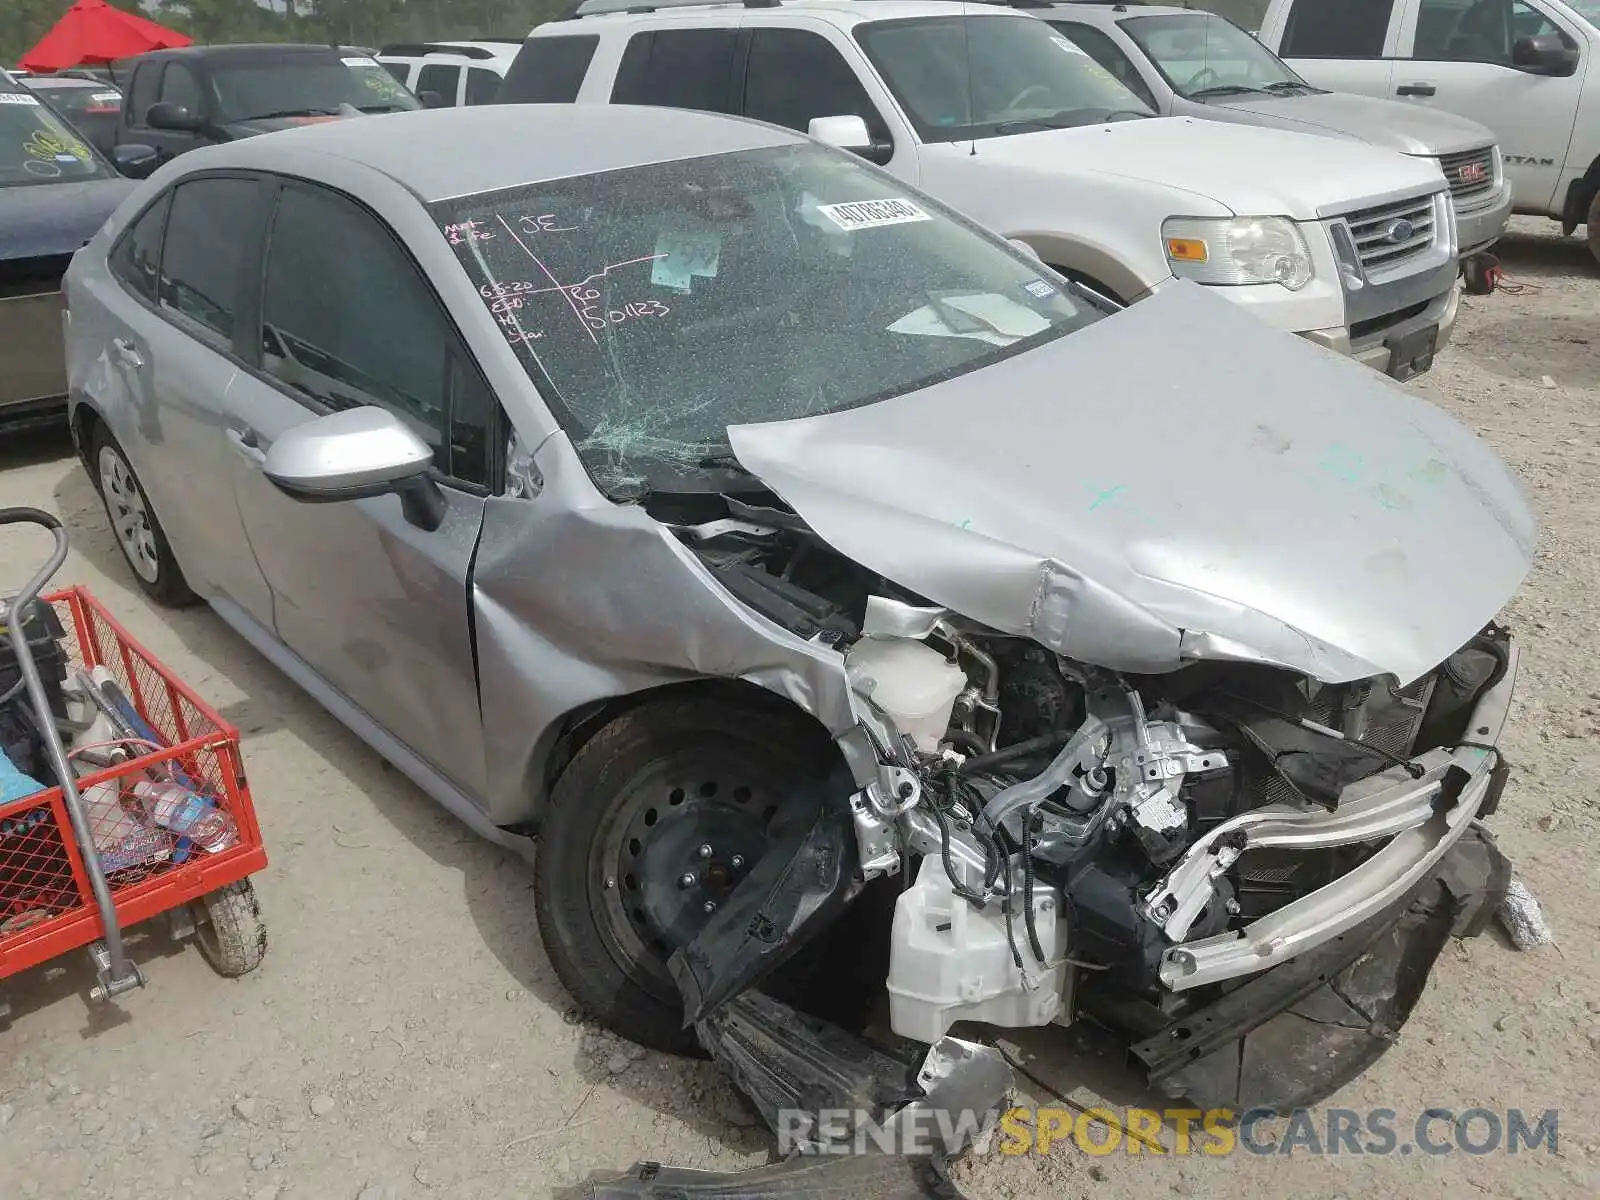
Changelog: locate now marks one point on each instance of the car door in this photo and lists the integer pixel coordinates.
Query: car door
(180, 340)
(1456, 56)
(375, 606)
(1341, 45)
(180, 86)
(793, 76)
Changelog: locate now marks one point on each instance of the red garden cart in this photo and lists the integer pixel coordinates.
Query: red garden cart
(149, 813)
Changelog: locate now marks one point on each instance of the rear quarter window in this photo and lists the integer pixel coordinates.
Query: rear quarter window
(549, 70)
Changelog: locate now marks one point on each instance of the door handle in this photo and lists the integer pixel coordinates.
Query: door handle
(1415, 89)
(127, 352)
(247, 446)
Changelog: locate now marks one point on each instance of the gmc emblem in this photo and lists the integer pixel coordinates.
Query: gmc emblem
(1473, 172)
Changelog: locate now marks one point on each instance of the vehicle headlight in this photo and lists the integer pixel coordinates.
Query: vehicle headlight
(1236, 250)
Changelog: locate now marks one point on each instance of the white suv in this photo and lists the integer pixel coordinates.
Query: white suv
(456, 72)
(998, 115)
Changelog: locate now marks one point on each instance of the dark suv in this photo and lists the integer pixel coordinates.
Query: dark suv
(176, 100)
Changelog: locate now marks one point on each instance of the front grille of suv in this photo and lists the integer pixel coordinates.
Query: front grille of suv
(1471, 173)
(1391, 234)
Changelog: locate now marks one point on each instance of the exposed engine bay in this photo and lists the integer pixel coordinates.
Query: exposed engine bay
(1072, 841)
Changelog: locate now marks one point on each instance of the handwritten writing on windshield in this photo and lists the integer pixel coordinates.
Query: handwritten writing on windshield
(584, 300)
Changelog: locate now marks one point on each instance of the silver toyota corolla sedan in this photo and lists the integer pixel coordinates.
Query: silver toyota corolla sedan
(773, 543)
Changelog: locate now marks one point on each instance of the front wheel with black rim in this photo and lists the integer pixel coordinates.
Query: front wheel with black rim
(139, 534)
(655, 821)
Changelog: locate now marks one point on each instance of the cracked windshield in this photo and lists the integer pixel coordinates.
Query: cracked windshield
(36, 146)
(960, 77)
(300, 88)
(658, 305)
(1203, 56)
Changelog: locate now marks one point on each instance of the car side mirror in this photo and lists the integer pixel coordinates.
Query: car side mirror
(1544, 54)
(134, 159)
(430, 99)
(353, 455)
(850, 133)
(174, 118)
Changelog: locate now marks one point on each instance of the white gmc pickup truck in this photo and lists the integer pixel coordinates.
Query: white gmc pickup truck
(1525, 68)
(997, 114)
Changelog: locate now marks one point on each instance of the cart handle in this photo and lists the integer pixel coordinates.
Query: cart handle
(117, 974)
(36, 516)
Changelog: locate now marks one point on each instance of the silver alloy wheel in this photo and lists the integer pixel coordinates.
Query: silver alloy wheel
(130, 518)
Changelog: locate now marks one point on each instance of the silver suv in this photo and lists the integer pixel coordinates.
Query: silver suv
(1187, 63)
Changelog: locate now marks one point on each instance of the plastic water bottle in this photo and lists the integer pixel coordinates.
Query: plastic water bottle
(122, 838)
(187, 814)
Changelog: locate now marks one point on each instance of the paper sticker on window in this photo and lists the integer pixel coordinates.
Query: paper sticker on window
(681, 254)
(1066, 44)
(1039, 288)
(17, 98)
(106, 98)
(359, 61)
(871, 214)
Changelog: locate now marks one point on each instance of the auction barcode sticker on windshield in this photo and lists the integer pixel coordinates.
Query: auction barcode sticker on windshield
(359, 62)
(17, 98)
(870, 214)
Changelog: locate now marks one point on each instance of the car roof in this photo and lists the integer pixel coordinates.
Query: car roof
(240, 51)
(844, 14)
(438, 153)
(1111, 10)
(493, 48)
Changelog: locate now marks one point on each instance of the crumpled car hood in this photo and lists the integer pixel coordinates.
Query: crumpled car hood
(1176, 482)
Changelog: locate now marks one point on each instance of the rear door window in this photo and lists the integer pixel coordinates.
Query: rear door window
(678, 68)
(549, 70)
(207, 252)
(794, 76)
(1336, 29)
(437, 77)
(136, 258)
(482, 84)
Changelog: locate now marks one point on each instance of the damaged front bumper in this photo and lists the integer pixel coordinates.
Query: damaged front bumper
(1424, 816)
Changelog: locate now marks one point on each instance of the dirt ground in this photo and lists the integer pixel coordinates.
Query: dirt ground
(406, 1037)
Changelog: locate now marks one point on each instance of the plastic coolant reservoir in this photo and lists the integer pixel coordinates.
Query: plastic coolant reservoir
(950, 962)
(915, 684)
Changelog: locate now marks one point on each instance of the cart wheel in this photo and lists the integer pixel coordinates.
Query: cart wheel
(228, 929)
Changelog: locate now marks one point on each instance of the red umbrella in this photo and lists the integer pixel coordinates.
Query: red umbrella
(91, 31)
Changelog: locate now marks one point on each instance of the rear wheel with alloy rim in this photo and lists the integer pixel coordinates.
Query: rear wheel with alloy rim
(653, 824)
(133, 523)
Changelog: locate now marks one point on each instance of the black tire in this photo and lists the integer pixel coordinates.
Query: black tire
(154, 568)
(722, 769)
(229, 930)
(1593, 229)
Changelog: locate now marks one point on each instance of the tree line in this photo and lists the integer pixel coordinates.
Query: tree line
(346, 22)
